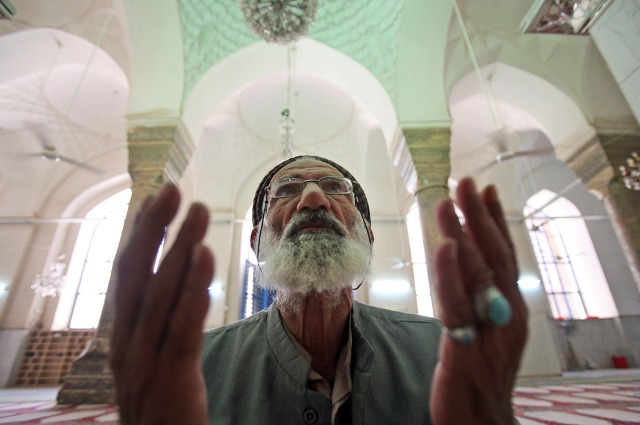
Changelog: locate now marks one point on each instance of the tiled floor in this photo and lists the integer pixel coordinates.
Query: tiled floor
(589, 398)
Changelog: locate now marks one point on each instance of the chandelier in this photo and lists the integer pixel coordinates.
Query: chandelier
(50, 283)
(279, 21)
(563, 16)
(631, 173)
(287, 128)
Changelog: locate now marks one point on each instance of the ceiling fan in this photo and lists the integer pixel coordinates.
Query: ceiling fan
(399, 263)
(49, 152)
(502, 139)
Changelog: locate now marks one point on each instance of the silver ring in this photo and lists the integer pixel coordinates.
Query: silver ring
(464, 335)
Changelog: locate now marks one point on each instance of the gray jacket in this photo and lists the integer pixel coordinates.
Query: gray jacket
(255, 375)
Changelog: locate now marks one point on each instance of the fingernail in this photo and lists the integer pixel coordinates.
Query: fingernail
(166, 189)
(451, 209)
(472, 185)
(492, 193)
(452, 248)
(196, 254)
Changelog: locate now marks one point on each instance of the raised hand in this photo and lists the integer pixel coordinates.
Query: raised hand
(157, 334)
(479, 357)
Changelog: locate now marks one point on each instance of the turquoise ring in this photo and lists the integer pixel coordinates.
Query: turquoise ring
(492, 307)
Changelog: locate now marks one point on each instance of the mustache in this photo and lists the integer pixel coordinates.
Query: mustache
(316, 218)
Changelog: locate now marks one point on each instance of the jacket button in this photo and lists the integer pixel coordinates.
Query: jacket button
(310, 416)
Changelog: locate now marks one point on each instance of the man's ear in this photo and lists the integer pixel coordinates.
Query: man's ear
(370, 230)
(254, 236)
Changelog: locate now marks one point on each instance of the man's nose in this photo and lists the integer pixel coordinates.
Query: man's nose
(313, 198)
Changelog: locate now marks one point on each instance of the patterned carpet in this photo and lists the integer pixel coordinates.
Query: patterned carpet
(613, 403)
(51, 413)
(604, 403)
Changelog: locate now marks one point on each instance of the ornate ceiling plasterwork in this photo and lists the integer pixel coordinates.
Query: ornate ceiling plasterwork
(98, 21)
(364, 30)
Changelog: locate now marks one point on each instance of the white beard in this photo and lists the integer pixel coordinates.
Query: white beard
(323, 262)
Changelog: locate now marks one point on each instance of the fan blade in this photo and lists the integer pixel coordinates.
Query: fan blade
(484, 168)
(506, 156)
(532, 152)
(54, 156)
(398, 263)
(79, 164)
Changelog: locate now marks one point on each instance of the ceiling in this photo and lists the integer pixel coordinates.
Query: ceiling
(81, 70)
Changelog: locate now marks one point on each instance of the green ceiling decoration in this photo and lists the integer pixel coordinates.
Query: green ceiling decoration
(365, 30)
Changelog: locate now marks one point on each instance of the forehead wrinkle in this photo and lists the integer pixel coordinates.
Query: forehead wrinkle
(292, 172)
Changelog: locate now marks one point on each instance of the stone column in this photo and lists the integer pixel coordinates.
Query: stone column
(429, 149)
(622, 204)
(597, 165)
(156, 154)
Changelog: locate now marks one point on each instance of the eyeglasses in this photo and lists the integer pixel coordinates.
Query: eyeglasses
(331, 185)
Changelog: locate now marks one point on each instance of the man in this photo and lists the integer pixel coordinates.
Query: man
(316, 356)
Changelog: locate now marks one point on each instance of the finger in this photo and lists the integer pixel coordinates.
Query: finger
(474, 270)
(455, 303)
(488, 229)
(135, 263)
(155, 312)
(143, 208)
(490, 199)
(489, 304)
(184, 338)
(486, 234)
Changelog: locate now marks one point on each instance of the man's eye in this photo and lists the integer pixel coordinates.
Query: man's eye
(287, 189)
(333, 187)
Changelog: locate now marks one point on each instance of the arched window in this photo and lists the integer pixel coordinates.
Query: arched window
(92, 260)
(419, 262)
(254, 296)
(571, 273)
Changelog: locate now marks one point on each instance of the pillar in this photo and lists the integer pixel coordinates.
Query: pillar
(622, 204)
(156, 154)
(429, 149)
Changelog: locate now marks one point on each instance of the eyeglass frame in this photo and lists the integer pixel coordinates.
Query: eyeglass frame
(350, 182)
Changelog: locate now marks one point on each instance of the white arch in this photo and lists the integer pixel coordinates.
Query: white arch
(520, 100)
(261, 59)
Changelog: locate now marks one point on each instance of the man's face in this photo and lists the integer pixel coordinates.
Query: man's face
(312, 241)
(281, 210)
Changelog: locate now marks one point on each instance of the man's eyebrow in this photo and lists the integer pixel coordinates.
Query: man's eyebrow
(288, 176)
(298, 176)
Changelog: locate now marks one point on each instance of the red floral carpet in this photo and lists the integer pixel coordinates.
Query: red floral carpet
(614, 403)
(50, 413)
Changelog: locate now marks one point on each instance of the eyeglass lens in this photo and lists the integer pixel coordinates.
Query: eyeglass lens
(331, 185)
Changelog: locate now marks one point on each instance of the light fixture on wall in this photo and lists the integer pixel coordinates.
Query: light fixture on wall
(50, 283)
(528, 282)
(279, 21)
(563, 16)
(391, 286)
(631, 173)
